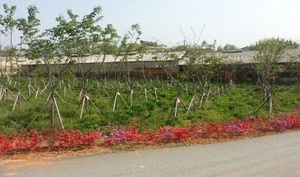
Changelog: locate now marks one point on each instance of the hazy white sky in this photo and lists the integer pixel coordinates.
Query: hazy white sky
(238, 22)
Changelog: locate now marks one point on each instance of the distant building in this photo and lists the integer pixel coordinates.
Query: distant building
(236, 65)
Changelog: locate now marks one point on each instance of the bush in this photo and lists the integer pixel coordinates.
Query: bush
(121, 118)
(138, 109)
(22, 117)
(175, 121)
(90, 122)
(150, 106)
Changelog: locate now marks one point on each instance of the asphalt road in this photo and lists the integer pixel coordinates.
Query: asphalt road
(270, 156)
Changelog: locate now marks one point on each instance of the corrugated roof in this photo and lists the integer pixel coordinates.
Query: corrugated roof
(121, 58)
(291, 55)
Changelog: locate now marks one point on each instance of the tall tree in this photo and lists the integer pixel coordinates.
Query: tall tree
(67, 43)
(201, 62)
(28, 27)
(269, 53)
(9, 23)
(128, 44)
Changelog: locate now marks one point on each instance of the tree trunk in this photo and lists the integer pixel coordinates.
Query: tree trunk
(270, 104)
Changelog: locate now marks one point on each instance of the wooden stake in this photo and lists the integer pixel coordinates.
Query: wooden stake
(192, 103)
(186, 89)
(29, 89)
(82, 106)
(145, 91)
(115, 101)
(58, 113)
(45, 88)
(176, 106)
(131, 97)
(37, 92)
(65, 90)
(201, 100)
(19, 98)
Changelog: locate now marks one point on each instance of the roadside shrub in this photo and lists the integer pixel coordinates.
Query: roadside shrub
(53, 139)
(150, 106)
(90, 122)
(121, 118)
(69, 112)
(172, 134)
(175, 121)
(138, 109)
(113, 135)
(21, 117)
(163, 104)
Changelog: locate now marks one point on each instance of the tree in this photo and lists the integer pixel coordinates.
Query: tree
(148, 43)
(220, 48)
(289, 43)
(107, 48)
(269, 53)
(128, 44)
(9, 24)
(292, 44)
(28, 28)
(230, 47)
(201, 63)
(13, 52)
(65, 44)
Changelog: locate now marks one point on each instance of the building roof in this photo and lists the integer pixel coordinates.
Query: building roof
(121, 58)
(291, 55)
(238, 57)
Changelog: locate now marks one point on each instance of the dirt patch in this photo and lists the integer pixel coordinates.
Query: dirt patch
(31, 157)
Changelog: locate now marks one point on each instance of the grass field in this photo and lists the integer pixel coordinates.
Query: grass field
(148, 104)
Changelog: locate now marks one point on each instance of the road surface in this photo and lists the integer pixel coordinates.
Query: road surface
(274, 156)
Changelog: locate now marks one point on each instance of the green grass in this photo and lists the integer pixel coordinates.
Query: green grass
(245, 100)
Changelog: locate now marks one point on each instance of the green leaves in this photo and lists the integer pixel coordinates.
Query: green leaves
(29, 26)
(201, 60)
(269, 53)
(7, 20)
(71, 36)
(270, 50)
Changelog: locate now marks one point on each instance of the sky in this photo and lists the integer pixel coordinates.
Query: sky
(170, 22)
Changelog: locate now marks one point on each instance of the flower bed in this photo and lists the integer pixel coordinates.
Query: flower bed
(56, 140)
(34, 140)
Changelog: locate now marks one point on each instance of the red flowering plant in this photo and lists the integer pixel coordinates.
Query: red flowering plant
(172, 134)
(117, 135)
(288, 121)
(75, 138)
(23, 141)
(126, 135)
(33, 140)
